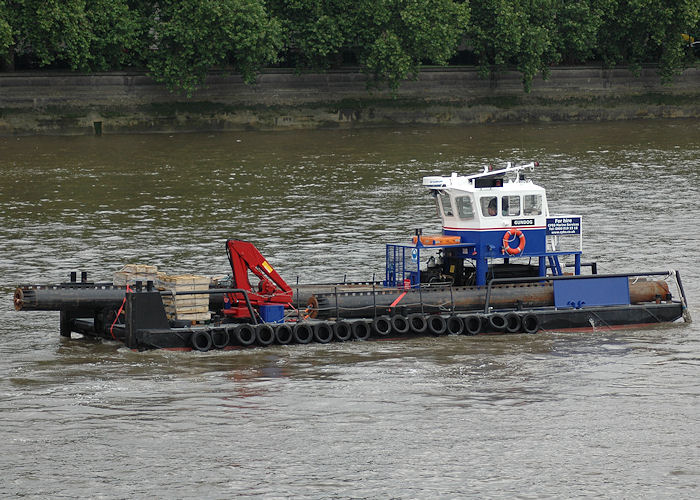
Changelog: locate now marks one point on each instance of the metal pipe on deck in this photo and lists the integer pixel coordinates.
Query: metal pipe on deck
(434, 300)
(67, 298)
(427, 300)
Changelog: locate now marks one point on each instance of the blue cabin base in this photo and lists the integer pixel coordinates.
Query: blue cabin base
(482, 248)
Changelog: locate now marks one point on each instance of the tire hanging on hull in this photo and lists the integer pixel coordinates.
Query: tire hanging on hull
(437, 325)
(284, 334)
(400, 324)
(417, 323)
(455, 325)
(513, 322)
(342, 331)
(530, 323)
(220, 338)
(382, 326)
(302, 333)
(264, 334)
(244, 334)
(201, 341)
(361, 330)
(473, 323)
(497, 322)
(323, 332)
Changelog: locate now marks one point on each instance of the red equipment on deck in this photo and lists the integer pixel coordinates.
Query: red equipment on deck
(271, 290)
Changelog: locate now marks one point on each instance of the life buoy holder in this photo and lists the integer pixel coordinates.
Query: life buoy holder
(508, 237)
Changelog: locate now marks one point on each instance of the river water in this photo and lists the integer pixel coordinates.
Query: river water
(610, 414)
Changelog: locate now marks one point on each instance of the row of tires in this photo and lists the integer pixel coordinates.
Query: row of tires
(344, 330)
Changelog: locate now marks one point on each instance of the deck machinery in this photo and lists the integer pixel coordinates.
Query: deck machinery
(499, 266)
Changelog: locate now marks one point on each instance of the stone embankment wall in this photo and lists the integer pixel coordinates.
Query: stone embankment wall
(117, 102)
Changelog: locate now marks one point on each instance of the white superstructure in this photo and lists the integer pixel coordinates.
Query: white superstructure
(489, 200)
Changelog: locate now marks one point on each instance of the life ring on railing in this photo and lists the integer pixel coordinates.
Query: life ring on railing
(510, 234)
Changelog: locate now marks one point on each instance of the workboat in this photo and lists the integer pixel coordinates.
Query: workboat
(503, 264)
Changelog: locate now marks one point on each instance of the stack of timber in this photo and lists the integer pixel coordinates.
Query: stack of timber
(193, 308)
(131, 273)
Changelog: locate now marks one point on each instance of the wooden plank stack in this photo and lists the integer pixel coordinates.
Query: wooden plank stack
(131, 273)
(193, 308)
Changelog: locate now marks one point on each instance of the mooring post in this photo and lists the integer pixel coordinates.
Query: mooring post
(65, 328)
(130, 334)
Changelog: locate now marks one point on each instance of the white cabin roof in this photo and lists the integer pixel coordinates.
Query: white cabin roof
(515, 199)
(469, 182)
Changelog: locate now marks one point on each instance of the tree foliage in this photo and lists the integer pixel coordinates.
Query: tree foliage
(514, 32)
(6, 36)
(190, 37)
(576, 26)
(394, 37)
(115, 34)
(180, 41)
(54, 31)
(315, 31)
(639, 31)
(390, 39)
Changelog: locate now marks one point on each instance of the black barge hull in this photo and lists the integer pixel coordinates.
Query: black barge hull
(237, 336)
(138, 319)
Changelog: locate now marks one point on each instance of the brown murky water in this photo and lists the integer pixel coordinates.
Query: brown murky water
(607, 414)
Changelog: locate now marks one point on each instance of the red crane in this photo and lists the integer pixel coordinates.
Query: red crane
(271, 290)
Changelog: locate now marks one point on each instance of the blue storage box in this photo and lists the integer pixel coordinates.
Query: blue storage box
(603, 291)
(273, 313)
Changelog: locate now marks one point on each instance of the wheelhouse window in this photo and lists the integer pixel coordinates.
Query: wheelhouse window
(489, 206)
(532, 204)
(465, 209)
(446, 205)
(510, 205)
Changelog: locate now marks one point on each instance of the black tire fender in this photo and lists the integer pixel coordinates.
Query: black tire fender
(436, 324)
(455, 325)
(497, 322)
(473, 323)
(381, 326)
(264, 334)
(323, 332)
(513, 322)
(417, 323)
(400, 324)
(220, 338)
(302, 333)
(201, 340)
(530, 323)
(244, 334)
(342, 331)
(361, 330)
(283, 334)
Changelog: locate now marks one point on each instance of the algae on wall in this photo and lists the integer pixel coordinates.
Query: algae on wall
(55, 103)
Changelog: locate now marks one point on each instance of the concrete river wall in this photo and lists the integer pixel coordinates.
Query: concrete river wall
(118, 102)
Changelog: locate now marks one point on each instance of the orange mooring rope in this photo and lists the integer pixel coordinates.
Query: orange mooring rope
(121, 308)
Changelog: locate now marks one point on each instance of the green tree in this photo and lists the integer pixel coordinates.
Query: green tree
(648, 31)
(116, 34)
(675, 18)
(190, 37)
(6, 35)
(180, 41)
(577, 25)
(53, 31)
(315, 31)
(390, 39)
(514, 32)
(394, 37)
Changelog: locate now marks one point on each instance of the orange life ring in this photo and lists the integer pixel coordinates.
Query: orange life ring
(510, 234)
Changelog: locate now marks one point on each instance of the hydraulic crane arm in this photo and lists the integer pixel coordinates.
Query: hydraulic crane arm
(244, 256)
